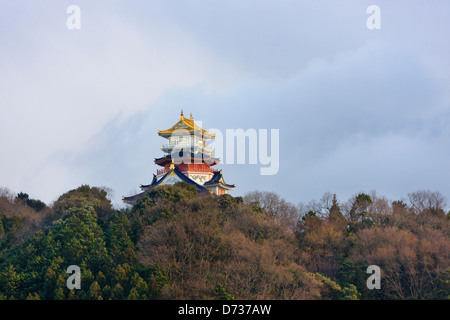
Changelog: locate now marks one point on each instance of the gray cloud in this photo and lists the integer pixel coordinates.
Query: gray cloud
(357, 109)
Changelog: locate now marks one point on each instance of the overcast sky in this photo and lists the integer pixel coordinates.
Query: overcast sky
(357, 109)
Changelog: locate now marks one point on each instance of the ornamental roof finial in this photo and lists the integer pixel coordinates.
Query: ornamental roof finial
(192, 117)
(181, 113)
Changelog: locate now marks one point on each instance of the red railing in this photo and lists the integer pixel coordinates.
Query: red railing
(203, 168)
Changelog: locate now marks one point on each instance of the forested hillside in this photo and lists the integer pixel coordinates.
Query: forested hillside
(174, 244)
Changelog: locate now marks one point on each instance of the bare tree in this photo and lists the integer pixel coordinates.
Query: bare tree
(320, 208)
(281, 210)
(326, 202)
(427, 201)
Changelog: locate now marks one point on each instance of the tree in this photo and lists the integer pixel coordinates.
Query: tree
(34, 296)
(359, 214)
(281, 210)
(335, 215)
(122, 249)
(117, 292)
(175, 244)
(222, 294)
(410, 263)
(139, 285)
(426, 201)
(349, 293)
(101, 279)
(10, 280)
(134, 295)
(37, 205)
(95, 292)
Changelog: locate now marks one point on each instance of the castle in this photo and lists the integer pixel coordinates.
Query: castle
(187, 158)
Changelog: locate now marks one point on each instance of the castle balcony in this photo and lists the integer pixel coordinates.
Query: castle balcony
(192, 168)
(168, 147)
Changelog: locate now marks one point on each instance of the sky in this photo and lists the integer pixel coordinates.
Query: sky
(357, 109)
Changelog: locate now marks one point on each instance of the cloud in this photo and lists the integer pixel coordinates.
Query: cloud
(356, 108)
(348, 124)
(60, 87)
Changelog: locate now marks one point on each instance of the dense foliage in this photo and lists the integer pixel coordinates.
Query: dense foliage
(174, 244)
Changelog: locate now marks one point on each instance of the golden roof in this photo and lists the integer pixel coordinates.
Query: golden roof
(187, 125)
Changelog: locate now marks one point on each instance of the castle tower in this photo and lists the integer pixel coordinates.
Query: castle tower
(187, 158)
(187, 147)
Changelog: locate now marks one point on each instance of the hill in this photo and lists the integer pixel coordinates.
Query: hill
(174, 244)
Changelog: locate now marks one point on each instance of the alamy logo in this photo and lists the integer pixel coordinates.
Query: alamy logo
(74, 281)
(374, 20)
(374, 281)
(73, 22)
(238, 146)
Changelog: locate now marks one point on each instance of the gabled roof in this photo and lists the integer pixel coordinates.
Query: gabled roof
(217, 179)
(187, 125)
(173, 171)
(180, 175)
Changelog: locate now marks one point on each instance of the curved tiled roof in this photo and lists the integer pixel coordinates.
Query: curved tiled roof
(218, 179)
(193, 157)
(188, 125)
(151, 184)
(154, 183)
